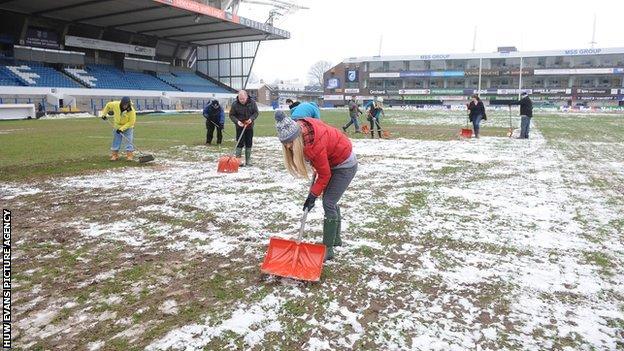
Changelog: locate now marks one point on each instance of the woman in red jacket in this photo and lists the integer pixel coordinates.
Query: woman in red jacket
(330, 154)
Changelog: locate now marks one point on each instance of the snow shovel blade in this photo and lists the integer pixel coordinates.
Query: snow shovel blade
(146, 158)
(466, 133)
(386, 134)
(228, 164)
(365, 129)
(290, 259)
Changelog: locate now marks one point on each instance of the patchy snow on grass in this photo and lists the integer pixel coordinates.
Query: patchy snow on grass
(493, 243)
(122, 230)
(169, 307)
(251, 322)
(100, 277)
(11, 191)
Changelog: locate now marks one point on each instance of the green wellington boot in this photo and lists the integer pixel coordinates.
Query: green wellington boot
(239, 152)
(248, 157)
(329, 236)
(338, 240)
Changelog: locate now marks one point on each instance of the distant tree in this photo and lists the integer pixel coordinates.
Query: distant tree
(315, 74)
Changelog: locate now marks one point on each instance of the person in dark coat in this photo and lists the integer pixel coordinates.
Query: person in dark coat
(215, 119)
(243, 113)
(476, 113)
(292, 104)
(526, 113)
(354, 113)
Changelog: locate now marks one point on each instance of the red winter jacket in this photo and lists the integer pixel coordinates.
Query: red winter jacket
(328, 148)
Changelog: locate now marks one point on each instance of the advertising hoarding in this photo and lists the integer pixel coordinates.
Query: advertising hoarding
(566, 71)
(88, 43)
(41, 38)
(333, 97)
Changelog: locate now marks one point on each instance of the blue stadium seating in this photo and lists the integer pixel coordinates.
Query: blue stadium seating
(109, 77)
(189, 81)
(7, 78)
(102, 77)
(37, 75)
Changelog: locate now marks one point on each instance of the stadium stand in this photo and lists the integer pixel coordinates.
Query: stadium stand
(110, 77)
(189, 81)
(82, 76)
(7, 78)
(102, 77)
(37, 75)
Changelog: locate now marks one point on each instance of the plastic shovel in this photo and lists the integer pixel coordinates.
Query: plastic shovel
(466, 132)
(229, 163)
(294, 259)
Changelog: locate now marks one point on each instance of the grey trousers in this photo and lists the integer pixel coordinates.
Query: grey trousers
(340, 180)
(525, 124)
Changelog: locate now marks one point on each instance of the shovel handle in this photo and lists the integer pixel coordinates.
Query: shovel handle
(239, 138)
(305, 213)
(122, 135)
(301, 229)
(218, 126)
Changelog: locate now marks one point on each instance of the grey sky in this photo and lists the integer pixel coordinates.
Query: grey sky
(335, 29)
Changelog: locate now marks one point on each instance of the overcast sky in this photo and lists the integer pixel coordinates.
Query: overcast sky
(333, 30)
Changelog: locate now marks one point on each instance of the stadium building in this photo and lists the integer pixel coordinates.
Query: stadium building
(165, 54)
(275, 95)
(587, 77)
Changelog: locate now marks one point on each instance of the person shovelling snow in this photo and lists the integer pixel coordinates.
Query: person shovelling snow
(375, 112)
(330, 153)
(305, 109)
(124, 118)
(215, 119)
(243, 114)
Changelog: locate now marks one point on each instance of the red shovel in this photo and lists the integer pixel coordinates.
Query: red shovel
(294, 259)
(466, 132)
(229, 163)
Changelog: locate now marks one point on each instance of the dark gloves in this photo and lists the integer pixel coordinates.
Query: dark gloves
(221, 126)
(119, 131)
(309, 203)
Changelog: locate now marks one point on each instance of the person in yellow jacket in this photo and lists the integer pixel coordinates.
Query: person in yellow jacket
(124, 118)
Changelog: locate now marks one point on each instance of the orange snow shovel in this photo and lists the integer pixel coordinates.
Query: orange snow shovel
(294, 259)
(365, 129)
(466, 132)
(229, 163)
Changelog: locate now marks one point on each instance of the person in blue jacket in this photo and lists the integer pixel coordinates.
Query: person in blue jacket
(304, 110)
(215, 119)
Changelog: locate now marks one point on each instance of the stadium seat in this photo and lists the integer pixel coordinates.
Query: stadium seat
(110, 77)
(37, 75)
(189, 81)
(7, 78)
(82, 76)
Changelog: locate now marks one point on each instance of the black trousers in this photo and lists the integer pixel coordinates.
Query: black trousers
(210, 127)
(247, 139)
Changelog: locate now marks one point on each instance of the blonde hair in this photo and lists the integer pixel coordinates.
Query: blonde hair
(294, 159)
